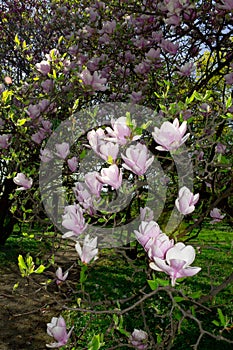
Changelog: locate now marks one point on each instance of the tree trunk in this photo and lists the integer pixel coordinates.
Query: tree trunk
(7, 220)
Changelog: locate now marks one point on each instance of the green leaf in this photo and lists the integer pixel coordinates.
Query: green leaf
(24, 45)
(198, 96)
(216, 323)
(229, 102)
(83, 154)
(29, 261)
(129, 122)
(208, 95)
(96, 342)
(155, 283)
(60, 39)
(15, 286)
(193, 311)
(157, 95)
(6, 95)
(177, 314)
(21, 262)
(21, 122)
(221, 317)
(124, 332)
(22, 266)
(40, 269)
(75, 105)
(178, 299)
(17, 41)
(54, 74)
(145, 125)
(116, 319)
(190, 99)
(196, 295)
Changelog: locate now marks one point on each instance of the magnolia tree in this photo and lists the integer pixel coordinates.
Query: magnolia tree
(117, 117)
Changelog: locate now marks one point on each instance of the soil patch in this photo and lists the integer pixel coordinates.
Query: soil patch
(24, 312)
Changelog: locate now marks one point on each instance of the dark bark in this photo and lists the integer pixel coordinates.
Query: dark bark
(7, 220)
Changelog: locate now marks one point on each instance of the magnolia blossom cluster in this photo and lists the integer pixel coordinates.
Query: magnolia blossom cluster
(135, 158)
(62, 151)
(165, 255)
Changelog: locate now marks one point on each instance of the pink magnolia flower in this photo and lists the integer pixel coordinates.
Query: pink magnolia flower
(84, 197)
(146, 214)
(5, 141)
(216, 215)
(139, 339)
(45, 155)
(47, 85)
(111, 176)
(43, 67)
(74, 221)
(142, 67)
(33, 111)
(108, 151)
(89, 250)
(147, 230)
(186, 201)
(39, 136)
(96, 139)
(47, 125)
(137, 159)
(57, 329)
(173, 20)
(170, 136)
(177, 262)
(93, 64)
(229, 78)
(153, 54)
(135, 97)
(93, 81)
(72, 164)
(120, 131)
(187, 69)
(108, 27)
(159, 246)
(220, 148)
(94, 185)
(169, 47)
(21, 180)
(61, 277)
(44, 105)
(63, 149)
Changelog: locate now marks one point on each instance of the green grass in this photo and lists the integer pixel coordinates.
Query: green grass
(113, 278)
(17, 244)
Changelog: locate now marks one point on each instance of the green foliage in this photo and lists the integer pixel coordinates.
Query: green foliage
(156, 282)
(96, 342)
(27, 266)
